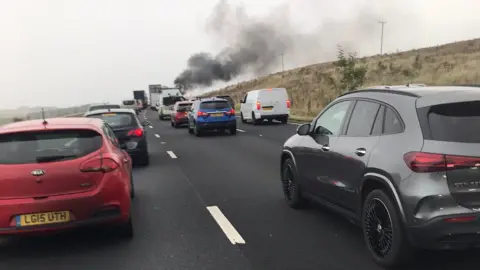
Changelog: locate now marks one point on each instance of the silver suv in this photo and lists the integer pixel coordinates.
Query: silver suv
(402, 162)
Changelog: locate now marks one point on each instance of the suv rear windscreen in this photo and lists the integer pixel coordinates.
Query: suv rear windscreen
(103, 107)
(47, 146)
(454, 122)
(183, 107)
(215, 105)
(116, 120)
(128, 102)
(168, 101)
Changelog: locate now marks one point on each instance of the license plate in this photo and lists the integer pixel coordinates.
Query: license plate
(267, 109)
(43, 218)
(216, 114)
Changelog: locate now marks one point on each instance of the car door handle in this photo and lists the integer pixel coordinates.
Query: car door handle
(360, 151)
(326, 148)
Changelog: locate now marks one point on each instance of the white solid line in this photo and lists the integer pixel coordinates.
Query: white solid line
(241, 130)
(171, 154)
(296, 124)
(225, 225)
(156, 135)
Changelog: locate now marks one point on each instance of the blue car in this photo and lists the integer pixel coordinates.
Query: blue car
(212, 114)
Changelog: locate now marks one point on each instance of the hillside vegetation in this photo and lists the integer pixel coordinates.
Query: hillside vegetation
(312, 87)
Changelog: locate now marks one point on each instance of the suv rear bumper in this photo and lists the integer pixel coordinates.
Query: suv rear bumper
(440, 234)
(271, 116)
(216, 125)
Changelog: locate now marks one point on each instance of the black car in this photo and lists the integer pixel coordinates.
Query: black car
(401, 162)
(128, 130)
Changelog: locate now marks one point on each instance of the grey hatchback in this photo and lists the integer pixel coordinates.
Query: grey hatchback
(401, 162)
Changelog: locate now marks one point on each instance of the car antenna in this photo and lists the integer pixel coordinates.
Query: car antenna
(43, 117)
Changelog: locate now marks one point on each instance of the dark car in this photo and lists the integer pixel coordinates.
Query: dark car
(229, 99)
(179, 115)
(128, 130)
(211, 114)
(403, 163)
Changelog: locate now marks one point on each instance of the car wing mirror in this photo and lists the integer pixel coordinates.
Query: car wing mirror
(303, 129)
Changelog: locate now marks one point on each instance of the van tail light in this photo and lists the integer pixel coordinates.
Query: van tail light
(101, 164)
(231, 112)
(288, 104)
(204, 114)
(258, 105)
(428, 162)
(136, 132)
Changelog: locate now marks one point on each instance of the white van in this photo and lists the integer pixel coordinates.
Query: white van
(269, 104)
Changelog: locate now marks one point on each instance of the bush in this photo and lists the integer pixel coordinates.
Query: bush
(17, 119)
(352, 76)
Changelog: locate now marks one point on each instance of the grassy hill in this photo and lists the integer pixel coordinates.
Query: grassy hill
(310, 87)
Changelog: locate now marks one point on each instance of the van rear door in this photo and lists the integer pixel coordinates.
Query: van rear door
(273, 101)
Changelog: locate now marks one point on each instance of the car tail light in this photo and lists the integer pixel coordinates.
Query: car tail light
(202, 113)
(136, 132)
(428, 162)
(99, 165)
(258, 105)
(179, 115)
(231, 112)
(460, 219)
(288, 104)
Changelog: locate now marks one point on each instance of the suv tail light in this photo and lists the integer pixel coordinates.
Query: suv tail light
(428, 162)
(288, 104)
(136, 132)
(180, 115)
(199, 113)
(99, 165)
(231, 112)
(258, 105)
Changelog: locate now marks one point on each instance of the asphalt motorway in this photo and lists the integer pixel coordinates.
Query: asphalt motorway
(214, 202)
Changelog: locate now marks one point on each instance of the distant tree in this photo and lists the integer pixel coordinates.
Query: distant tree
(17, 119)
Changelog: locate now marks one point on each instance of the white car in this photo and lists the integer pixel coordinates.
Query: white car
(165, 106)
(265, 104)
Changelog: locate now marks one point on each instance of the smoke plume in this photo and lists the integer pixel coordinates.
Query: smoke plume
(258, 45)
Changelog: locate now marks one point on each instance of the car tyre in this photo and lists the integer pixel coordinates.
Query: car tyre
(125, 230)
(132, 190)
(291, 188)
(197, 131)
(243, 119)
(254, 120)
(190, 130)
(381, 220)
(144, 160)
(233, 131)
(284, 120)
(172, 124)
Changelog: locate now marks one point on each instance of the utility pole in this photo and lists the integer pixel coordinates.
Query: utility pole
(381, 38)
(283, 66)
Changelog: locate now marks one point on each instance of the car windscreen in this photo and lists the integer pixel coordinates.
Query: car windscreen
(128, 102)
(455, 122)
(47, 146)
(215, 105)
(103, 107)
(182, 107)
(117, 120)
(168, 101)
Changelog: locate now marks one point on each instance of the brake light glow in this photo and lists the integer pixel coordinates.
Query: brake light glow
(288, 104)
(199, 113)
(460, 219)
(258, 105)
(136, 132)
(99, 165)
(180, 115)
(231, 112)
(428, 162)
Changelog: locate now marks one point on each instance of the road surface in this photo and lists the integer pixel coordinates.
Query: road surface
(215, 203)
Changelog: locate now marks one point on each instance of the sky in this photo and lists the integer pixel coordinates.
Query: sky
(72, 52)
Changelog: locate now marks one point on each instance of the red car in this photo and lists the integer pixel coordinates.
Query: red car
(63, 173)
(179, 115)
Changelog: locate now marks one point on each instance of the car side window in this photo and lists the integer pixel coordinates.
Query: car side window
(330, 122)
(111, 136)
(362, 119)
(245, 98)
(392, 124)
(378, 124)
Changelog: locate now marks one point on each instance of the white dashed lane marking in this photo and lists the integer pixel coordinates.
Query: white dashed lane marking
(240, 130)
(171, 154)
(156, 135)
(227, 227)
(150, 127)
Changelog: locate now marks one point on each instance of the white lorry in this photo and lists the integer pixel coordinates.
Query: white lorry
(167, 99)
(155, 100)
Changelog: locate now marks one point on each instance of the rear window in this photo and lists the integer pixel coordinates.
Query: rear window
(115, 120)
(214, 105)
(167, 101)
(47, 146)
(103, 107)
(455, 122)
(184, 106)
(128, 102)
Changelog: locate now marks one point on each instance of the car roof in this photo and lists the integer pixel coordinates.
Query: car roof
(53, 123)
(115, 110)
(212, 99)
(415, 90)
